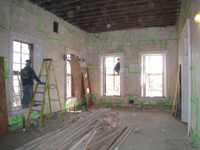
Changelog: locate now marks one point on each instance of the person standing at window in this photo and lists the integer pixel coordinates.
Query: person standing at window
(27, 76)
(117, 66)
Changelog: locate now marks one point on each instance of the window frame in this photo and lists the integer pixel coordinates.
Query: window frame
(166, 76)
(39, 48)
(72, 83)
(76, 53)
(18, 74)
(101, 78)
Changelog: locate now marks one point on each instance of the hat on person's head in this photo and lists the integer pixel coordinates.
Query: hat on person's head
(28, 62)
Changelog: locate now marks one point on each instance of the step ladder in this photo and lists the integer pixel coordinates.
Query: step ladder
(40, 93)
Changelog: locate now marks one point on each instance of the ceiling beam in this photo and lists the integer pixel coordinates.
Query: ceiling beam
(128, 28)
(173, 4)
(115, 16)
(104, 6)
(133, 24)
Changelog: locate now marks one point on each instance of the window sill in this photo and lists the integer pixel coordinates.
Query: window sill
(18, 110)
(153, 98)
(115, 97)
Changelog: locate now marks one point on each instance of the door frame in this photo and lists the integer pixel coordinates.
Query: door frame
(185, 43)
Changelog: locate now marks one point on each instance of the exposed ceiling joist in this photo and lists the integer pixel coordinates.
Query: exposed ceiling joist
(111, 15)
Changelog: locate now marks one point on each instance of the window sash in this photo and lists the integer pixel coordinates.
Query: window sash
(18, 49)
(113, 89)
(145, 75)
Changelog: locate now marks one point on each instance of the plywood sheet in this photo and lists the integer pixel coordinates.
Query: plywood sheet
(77, 77)
(87, 87)
(4, 125)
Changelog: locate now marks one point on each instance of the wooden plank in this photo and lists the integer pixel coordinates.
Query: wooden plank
(87, 87)
(115, 139)
(77, 77)
(103, 139)
(177, 83)
(4, 124)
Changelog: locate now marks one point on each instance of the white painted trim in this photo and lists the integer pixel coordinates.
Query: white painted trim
(190, 79)
(186, 34)
(39, 47)
(166, 58)
(100, 74)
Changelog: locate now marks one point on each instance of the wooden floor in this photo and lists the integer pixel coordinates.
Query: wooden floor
(154, 130)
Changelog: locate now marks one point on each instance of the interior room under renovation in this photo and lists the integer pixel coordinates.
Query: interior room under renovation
(100, 74)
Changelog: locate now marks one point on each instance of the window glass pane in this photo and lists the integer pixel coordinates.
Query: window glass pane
(25, 48)
(154, 64)
(16, 67)
(109, 85)
(110, 65)
(23, 65)
(68, 68)
(117, 85)
(109, 59)
(15, 83)
(16, 46)
(110, 71)
(69, 88)
(16, 57)
(153, 75)
(24, 57)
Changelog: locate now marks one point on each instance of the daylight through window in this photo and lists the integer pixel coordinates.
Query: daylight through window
(21, 52)
(153, 75)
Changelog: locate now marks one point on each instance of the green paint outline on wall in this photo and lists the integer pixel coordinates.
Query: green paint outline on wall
(93, 67)
(141, 102)
(35, 114)
(103, 99)
(131, 96)
(93, 96)
(39, 30)
(195, 101)
(16, 119)
(123, 36)
(119, 102)
(129, 70)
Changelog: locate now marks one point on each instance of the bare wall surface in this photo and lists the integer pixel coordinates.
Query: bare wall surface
(29, 20)
(188, 11)
(131, 42)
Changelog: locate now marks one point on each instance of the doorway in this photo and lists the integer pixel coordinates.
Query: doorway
(186, 76)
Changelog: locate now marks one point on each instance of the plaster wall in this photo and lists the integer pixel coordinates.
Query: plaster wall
(188, 11)
(131, 42)
(20, 16)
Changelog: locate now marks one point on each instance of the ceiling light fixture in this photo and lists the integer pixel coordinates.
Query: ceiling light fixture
(197, 17)
(108, 25)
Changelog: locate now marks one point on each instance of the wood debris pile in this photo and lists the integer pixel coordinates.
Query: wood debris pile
(90, 130)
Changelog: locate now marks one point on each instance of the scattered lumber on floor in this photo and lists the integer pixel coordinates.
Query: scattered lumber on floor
(85, 131)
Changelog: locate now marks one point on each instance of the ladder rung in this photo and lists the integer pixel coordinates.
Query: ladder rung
(42, 75)
(40, 92)
(54, 99)
(38, 101)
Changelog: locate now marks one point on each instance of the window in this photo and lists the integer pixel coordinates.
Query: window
(153, 75)
(70, 86)
(110, 83)
(21, 52)
(112, 78)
